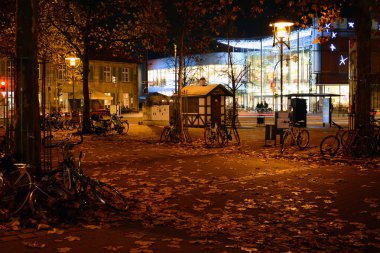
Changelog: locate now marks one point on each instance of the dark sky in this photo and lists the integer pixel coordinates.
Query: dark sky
(258, 25)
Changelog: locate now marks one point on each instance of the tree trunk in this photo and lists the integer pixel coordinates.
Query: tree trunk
(363, 33)
(86, 124)
(180, 84)
(27, 114)
(233, 88)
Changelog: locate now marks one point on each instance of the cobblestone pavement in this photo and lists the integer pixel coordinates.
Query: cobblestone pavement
(189, 198)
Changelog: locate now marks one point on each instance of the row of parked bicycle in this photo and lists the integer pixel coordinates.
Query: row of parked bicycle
(47, 192)
(349, 142)
(56, 121)
(352, 142)
(212, 134)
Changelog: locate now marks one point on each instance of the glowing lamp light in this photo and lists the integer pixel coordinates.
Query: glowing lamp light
(3, 86)
(281, 32)
(72, 61)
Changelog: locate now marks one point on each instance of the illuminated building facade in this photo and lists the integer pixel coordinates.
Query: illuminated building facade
(309, 67)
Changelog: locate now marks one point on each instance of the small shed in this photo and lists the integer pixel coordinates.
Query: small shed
(204, 103)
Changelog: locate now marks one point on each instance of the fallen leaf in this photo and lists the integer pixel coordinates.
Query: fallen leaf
(137, 235)
(34, 244)
(63, 250)
(113, 248)
(43, 226)
(92, 227)
(72, 238)
(55, 231)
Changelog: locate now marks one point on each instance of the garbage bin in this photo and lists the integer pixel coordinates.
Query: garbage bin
(260, 120)
(270, 135)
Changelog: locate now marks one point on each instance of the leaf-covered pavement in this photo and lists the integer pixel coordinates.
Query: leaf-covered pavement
(237, 198)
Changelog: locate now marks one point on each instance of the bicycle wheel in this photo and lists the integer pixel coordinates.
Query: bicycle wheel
(187, 135)
(15, 190)
(66, 124)
(69, 124)
(208, 137)
(68, 178)
(286, 141)
(47, 197)
(329, 145)
(126, 126)
(221, 136)
(174, 135)
(109, 196)
(363, 147)
(165, 135)
(303, 139)
(236, 135)
(120, 128)
(346, 138)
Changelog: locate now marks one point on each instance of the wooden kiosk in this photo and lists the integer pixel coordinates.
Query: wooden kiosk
(204, 103)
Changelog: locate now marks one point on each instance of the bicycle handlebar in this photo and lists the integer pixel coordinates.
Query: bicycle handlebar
(336, 125)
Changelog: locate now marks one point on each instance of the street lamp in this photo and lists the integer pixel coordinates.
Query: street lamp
(281, 32)
(72, 62)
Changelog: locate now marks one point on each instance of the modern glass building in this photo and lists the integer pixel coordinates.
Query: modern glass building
(310, 68)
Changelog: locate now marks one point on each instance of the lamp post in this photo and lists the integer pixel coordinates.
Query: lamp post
(72, 62)
(281, 32)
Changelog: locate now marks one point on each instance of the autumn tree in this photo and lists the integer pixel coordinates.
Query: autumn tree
(192, 25)
(7, 27)
(90, 26)
(237, 75)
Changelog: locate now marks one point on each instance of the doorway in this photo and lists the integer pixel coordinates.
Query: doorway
(216, 110)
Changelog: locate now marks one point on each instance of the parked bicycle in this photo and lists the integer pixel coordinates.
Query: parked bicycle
(73, 122)
(119, 125)
(230, 133)
(356, 144)
(351, 142)
(81, 186)
(331, 143)
(214, 134)
(114, 123)
(169, 134)
(295, 134)
(173, 134)
(15, 185)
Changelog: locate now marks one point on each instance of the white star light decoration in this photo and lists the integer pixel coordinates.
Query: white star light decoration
(332, 47)
(334, 34)
(342, 60)
(327, 27)
(351, 24)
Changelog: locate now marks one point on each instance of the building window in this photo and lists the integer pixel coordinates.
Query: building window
(107, 73)
(61, 72)
(125, 76)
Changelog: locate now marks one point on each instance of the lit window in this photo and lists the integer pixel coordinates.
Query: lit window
(107, 73)
(61, 72)
(125, 75)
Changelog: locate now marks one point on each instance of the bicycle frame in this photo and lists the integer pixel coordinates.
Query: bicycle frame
(298, 135)
(214, 133)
